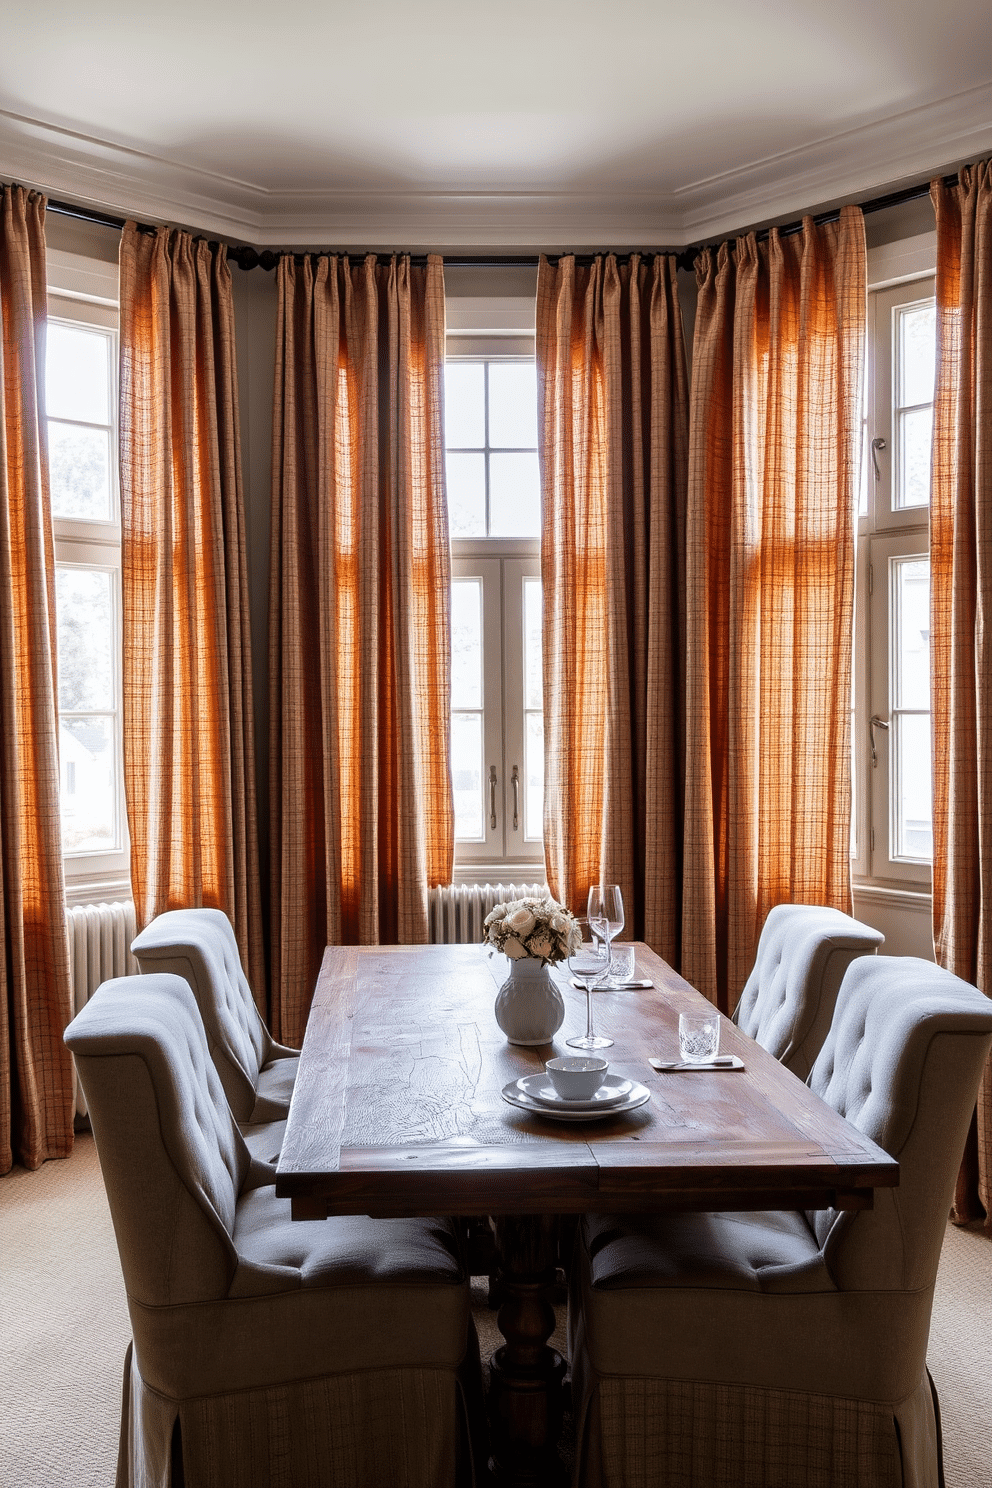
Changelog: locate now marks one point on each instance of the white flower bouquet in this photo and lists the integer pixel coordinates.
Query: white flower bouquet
(541, 928)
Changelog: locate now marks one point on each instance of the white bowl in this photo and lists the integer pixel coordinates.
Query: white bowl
(577, 1076)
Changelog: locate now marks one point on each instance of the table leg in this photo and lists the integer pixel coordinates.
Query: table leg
(526, 1376)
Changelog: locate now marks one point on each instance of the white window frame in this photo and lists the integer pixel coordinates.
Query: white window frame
(502, 564)
(85, 291)
(885, 533)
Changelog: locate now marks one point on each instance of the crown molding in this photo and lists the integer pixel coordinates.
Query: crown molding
(80, 168)
(841, 167)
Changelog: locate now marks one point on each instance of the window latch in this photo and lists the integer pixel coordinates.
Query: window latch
(515, 782)
(492, 796)
(876, 445)
(875, 722)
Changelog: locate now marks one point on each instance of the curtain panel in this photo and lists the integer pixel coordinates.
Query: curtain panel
(960, 617)
(613, 407)
(362, 814)
(189, 766)
(775, 442)
(36, 1094)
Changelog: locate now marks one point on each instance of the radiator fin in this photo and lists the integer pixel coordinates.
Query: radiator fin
(457, 911)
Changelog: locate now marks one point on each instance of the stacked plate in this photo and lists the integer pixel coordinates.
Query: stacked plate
(536, 1094)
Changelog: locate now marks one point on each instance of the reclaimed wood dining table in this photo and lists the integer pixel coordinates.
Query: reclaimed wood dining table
(398, 1110)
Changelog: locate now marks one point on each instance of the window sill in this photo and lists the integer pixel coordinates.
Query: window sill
(494, 873)
(919, 900)
(106, 888)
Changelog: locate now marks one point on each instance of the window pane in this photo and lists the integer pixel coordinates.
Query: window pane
(466, 775)
(466, 495)
(464, 405)
(534, 778)
(915, 438)
(80, 469)
(84, 607)
(466, 643)
(917, 354)
(533, 627)
(77, 374)
(512, 405)
(914, 829)
(88, 784)
(912, 621)
(514, 496)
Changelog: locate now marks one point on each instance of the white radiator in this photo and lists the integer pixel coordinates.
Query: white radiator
(458, 910)
(100, 937)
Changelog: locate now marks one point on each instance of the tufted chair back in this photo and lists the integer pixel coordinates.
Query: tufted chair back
(200, 946)
(788, 1000)
(172, 1156)
(902, 1063)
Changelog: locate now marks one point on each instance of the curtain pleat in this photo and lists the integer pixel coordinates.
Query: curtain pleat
(775, 436)
(362, 814)
(960, 615)
(189, 765)
(36, 1096)
(613, 402)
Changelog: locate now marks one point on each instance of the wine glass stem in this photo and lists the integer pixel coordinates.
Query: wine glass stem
(589, 1032)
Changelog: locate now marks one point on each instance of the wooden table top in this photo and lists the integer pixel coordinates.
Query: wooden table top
(397, 1108)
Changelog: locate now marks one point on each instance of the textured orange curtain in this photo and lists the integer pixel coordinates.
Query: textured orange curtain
(960, 619)
(189, 765)
(614, 437)
(36, 1097)
(775, 437)
(361, 806)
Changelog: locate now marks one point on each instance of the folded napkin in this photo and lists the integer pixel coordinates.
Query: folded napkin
(715, 1066)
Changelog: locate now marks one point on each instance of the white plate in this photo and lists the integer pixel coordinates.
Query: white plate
(636, 1096)
(540, 1088)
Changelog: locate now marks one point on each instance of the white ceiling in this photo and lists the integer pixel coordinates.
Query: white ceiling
(455, 122)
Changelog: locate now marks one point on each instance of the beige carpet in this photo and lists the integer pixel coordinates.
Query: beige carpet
(64, 1329)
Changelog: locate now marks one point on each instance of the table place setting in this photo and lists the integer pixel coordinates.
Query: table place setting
(576, 1088)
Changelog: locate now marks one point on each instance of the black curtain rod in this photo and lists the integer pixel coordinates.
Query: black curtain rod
(247, 257)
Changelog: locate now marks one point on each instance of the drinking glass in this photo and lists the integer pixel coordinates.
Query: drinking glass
(605, 910)
(589, 964)
(699, 1037)
(622, 965)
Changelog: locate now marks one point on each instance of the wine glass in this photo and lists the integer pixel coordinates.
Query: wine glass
(589, 963)
(605, 911)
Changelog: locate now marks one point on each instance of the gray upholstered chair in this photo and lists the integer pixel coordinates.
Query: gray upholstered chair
(257, 1073)
(264, 1349)
(788, 1000)
(770, 1350)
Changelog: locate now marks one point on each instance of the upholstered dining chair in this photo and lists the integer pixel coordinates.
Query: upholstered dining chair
(257, 1073)
(265, 1350)
(788, 1000)
(767, 1350)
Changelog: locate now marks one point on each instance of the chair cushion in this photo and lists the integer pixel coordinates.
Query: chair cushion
(278, 1252)
(264, 1141)
(773, 1252)
(726, 1297)
(274, 1090)
(326, 1296)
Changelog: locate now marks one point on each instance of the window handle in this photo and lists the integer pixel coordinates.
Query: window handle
(876, 445)
(515, 782)
(875, 722)
(492, 795)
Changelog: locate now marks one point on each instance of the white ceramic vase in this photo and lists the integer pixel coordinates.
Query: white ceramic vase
(529, 1007)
